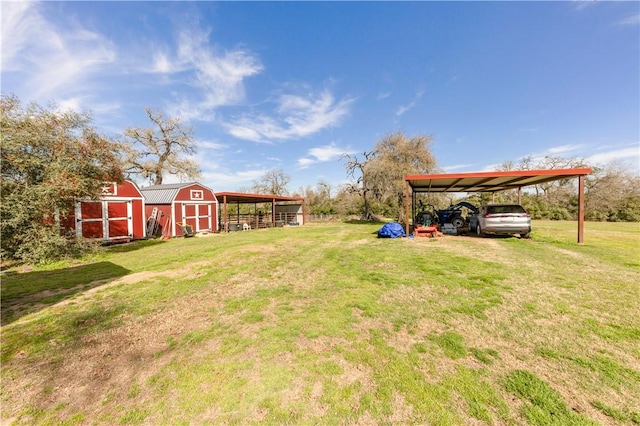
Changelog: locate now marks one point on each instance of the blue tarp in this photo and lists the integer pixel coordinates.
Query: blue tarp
(391, 230)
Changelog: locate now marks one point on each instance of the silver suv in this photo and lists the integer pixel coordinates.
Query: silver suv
(504, 219)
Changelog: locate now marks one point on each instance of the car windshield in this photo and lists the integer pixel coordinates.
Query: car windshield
(505, 209)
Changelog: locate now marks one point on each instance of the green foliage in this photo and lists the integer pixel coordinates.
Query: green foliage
(45, 243)
(452, 344)
(623, 415)
(627, 211)
(50, 159)
(544, 406)
(380, 173)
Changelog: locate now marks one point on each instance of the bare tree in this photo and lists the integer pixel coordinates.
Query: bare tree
(152, 152)
(273, 182)
(609, 189)
(358, 169)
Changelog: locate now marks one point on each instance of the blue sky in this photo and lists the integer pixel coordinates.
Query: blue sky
(294, 85)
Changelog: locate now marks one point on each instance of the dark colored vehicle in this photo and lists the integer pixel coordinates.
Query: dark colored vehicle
(501, 219)
(452, 214)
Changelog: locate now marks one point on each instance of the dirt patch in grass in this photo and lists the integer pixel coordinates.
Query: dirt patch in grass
(32, 302)
(103, 365)
(100, 367)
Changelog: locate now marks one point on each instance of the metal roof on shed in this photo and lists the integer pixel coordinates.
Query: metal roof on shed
(159, 195)
(166, 193)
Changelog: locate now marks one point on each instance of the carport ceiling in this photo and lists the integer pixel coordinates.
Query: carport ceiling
(488, 181)
(241, 197)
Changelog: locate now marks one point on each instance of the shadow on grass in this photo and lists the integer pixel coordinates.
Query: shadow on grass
(365, 222)
(134, 245)
(28, 292)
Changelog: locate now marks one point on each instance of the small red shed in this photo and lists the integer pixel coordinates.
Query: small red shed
(117, 216)
(181, 203)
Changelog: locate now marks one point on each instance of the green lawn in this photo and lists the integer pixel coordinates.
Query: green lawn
(326, 324)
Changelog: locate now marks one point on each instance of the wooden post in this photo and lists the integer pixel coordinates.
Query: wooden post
(519, 195)
(225, 217)
(304, 213)
(406, 208)
(580, 209)
(273, 213)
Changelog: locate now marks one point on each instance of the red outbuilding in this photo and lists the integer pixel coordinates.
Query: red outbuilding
(170, 207)
(117, 216)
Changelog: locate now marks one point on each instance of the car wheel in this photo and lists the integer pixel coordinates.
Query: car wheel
(458, 222)
(526, 235)
(479, 231)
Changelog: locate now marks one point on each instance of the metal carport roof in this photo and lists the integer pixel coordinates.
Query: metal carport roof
(488, 181)
(496, 181)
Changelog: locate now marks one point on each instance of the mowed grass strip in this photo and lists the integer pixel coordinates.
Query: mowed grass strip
(327, 324)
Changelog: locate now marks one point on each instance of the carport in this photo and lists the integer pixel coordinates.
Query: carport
(282, 210)
(492, 182)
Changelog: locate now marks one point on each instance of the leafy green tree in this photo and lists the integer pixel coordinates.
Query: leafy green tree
(396, 156)
(50, 158)
(379, 174)
(162, 149)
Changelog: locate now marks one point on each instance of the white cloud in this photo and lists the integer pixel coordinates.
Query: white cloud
(295, 117)
(52, 59)
(19, 21)
(217, 74)
(322, 154)
(211, 145)
(78, 103)
(457, 167)
(404, 108)
(561, 149)
(223, 181)
(305, 162)
(630, 20)
(163, 64)
(579, 5)
(632, 153)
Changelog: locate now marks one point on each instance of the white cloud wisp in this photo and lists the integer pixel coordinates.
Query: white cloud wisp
(296, 117)
(54, 61)
(322, 154)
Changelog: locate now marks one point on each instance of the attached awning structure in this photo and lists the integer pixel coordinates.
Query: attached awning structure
(494, 182)
(238, 198)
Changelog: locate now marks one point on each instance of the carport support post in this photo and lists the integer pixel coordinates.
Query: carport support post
(519, 195)
(580, 209)
(406, 207)
(273, 213)
(224, 216)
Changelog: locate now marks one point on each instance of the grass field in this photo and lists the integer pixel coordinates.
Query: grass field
(326, 324)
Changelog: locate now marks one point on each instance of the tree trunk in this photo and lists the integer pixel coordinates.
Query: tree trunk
(157, 180)
(367, 214)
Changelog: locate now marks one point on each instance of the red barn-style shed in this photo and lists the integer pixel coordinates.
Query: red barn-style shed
(117, 216)
(186, 203)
